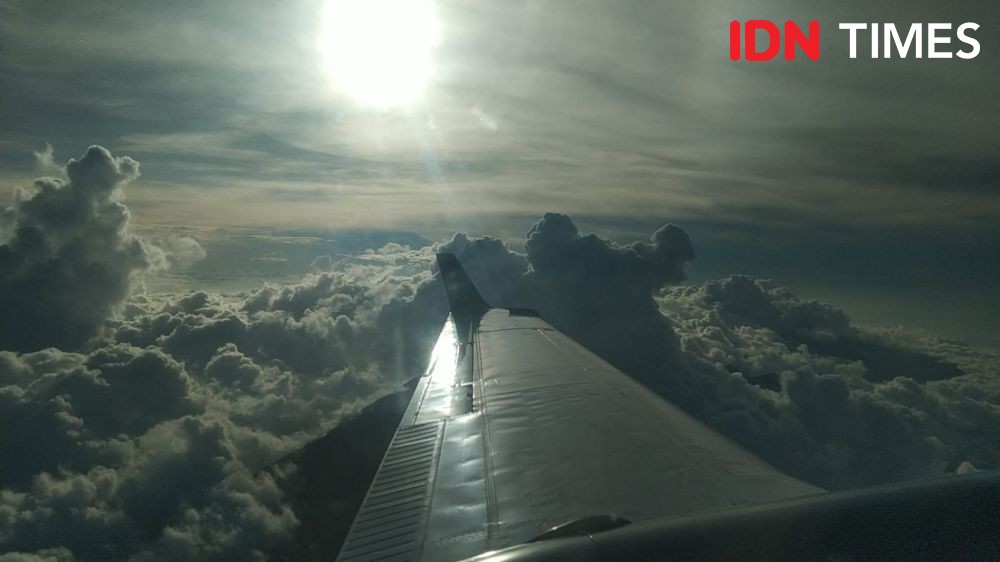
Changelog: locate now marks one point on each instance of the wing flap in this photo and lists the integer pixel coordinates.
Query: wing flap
(390, 523)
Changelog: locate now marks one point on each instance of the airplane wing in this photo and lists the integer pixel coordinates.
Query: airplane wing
(519, 438)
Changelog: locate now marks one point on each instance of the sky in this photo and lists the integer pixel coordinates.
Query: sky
(869, 182)
(218, 223)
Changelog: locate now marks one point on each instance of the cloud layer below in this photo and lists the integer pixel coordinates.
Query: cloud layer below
(135, 425)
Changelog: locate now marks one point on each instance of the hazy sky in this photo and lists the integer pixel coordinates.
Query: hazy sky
(239, 256)
(870, 182)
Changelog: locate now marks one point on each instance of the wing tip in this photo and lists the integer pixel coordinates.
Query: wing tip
(464, 299)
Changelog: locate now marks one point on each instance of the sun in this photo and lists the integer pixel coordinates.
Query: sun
(380, 52)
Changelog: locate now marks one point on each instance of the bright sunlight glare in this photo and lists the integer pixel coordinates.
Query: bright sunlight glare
(380, 52)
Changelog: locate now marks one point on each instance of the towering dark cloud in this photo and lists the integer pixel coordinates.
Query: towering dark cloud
(69, 261)
(602, 293)
(596, 290)
(556, 249)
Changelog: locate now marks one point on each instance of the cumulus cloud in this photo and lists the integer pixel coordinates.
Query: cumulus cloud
(69, 261)
(44, 555)
(148, 442)
(181, 252)
(598, 291)
(144, 434)
(796, 382)
(151, 445)
(45, 163)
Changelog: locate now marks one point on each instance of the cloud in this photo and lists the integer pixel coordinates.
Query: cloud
(154, 452)
(147, 439)
(69, 261)
(844, 407)
(181, 494)
(598, 291)
(143, 437)
(602, 292)
(181, 252)
(46, 165)
(44, 555)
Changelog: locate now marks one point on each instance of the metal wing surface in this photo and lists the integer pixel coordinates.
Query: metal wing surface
(516, 428)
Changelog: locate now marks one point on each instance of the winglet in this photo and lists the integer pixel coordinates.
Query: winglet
(464, 299)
